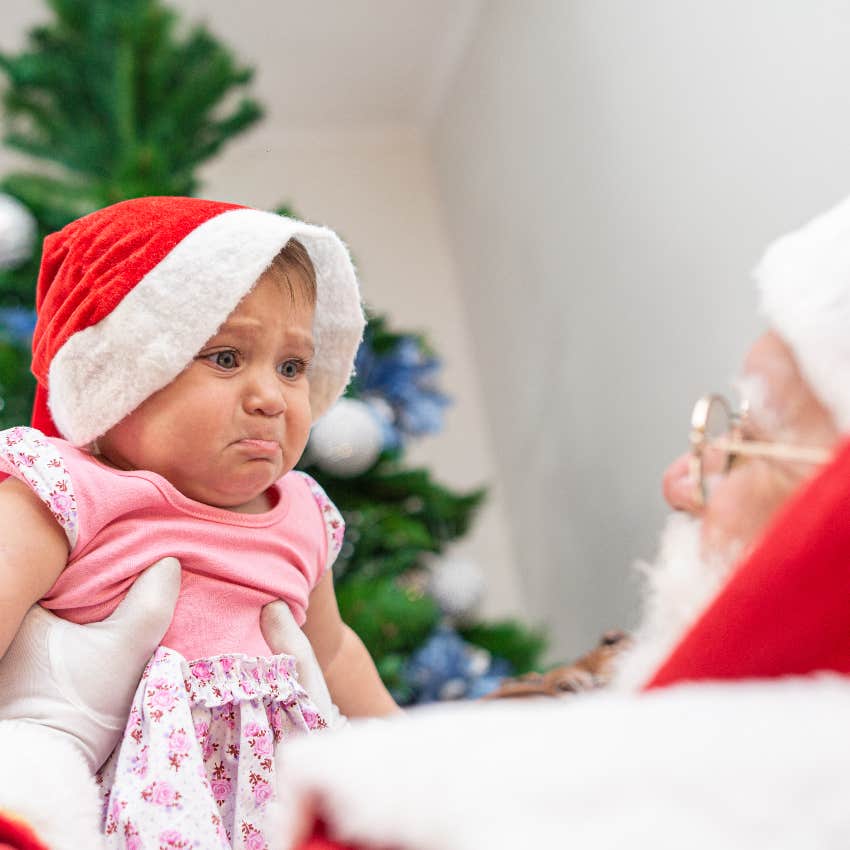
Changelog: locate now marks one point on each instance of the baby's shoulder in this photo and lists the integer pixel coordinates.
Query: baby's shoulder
(332, 520)
(23, 448)
(39, 462)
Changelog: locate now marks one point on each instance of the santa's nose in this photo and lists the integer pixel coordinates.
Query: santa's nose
(679, 486)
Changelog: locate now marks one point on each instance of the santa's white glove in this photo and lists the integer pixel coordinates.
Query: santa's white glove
(285, 636)
(78, 681)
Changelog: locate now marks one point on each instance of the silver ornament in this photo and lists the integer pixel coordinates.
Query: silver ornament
(457, 584)
(17, 232)
(347, 440)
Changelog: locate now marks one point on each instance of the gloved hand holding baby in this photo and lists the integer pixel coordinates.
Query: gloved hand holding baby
(66, 691)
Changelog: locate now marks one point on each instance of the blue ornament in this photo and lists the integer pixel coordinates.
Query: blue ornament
(441, 659)
(402, 382)
(17, 323)
(446, 667)
(483, 685)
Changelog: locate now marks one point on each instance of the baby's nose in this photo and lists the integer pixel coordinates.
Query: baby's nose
(679, 486)
(266, 395)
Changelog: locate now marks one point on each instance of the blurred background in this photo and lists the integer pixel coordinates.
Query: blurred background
(565, 198)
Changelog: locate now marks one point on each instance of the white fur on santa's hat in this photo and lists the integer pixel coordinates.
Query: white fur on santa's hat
(706, 767)
(106, 371)
(804, 281)
(46, 783)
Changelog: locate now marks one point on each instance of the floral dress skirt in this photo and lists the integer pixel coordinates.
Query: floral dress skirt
(196, 765)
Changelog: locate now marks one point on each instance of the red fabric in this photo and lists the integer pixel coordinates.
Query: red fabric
(786, 610)
(319, 840)
(41, 417)
(17, 835)
(92, 263)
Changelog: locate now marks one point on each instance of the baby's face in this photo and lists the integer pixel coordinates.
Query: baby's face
(238, 417)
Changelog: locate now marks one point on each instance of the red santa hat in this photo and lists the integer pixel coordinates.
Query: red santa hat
(129, 294)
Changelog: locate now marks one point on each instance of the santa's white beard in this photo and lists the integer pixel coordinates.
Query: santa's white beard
(678, 586)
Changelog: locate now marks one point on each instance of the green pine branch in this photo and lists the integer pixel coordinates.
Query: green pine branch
(116, 104)
(394, 517)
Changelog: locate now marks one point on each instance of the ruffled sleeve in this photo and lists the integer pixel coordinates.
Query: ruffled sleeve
(29, 456)
(332, 519)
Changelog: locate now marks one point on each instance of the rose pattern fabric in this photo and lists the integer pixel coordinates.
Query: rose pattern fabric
(334, 523)
(196, 766)
(26, 454)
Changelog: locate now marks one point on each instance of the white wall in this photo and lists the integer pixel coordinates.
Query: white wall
(611, 172)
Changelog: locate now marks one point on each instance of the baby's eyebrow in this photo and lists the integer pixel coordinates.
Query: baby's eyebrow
(307, 345)
(248, 327)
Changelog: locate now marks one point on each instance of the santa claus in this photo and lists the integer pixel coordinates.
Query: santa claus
(724, 726)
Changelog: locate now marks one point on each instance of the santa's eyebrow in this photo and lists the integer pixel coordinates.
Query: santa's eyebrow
(761, 419)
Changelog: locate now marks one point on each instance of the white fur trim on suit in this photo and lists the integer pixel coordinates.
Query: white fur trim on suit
(804, 280)
(706, 767)
(46, 782)
(104, 372)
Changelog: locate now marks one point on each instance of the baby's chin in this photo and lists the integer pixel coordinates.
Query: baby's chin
(243, 491)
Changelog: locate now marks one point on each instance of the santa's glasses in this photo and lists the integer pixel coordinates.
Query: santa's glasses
(717, 442)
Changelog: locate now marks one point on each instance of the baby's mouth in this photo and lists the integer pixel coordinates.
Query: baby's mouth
(262, 448)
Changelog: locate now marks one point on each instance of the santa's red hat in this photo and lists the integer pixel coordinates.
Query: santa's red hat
(129, 294)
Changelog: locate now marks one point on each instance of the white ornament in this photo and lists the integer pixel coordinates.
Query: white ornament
(457, 584)
(347, 440)
(17, 232)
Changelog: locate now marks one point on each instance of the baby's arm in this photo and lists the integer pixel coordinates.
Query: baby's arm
(33, 552)
(349, 671)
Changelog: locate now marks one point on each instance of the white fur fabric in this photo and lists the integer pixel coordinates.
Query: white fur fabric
(677, 587)
(46, 782)
(804, 282)
(741, 766)
(105, 371)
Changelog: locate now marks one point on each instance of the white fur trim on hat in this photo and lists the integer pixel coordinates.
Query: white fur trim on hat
(104, 372)
(804, 281)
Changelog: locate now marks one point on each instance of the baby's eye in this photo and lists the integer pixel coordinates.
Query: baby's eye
(291, 368)
(227, 359)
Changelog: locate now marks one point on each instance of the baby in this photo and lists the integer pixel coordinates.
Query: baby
(183, 349)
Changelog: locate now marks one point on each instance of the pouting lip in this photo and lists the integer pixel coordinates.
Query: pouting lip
(260, 445)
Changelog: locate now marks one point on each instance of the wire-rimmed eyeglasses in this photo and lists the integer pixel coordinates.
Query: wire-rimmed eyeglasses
(717, 441)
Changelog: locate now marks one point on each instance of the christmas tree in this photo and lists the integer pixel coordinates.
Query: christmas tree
(111, 102)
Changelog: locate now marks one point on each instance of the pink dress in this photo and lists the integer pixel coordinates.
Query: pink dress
(195, 767)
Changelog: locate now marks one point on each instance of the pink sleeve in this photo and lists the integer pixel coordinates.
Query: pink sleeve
(29, 456)
(334, 524)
